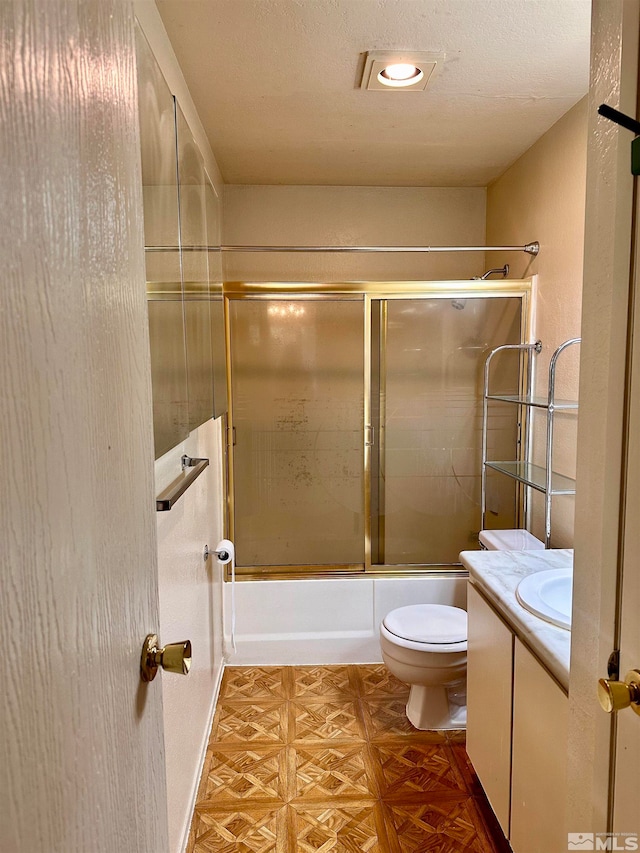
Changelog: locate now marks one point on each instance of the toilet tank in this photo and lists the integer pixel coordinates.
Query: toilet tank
(509, 540)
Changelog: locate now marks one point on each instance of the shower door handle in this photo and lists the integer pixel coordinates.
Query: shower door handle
(369, 435)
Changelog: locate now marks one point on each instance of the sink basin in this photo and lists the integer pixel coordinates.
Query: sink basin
(548, 595)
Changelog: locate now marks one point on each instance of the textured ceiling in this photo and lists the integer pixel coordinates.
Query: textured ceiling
(276, 83)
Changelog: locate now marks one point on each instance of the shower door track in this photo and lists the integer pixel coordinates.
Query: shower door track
(368, 291)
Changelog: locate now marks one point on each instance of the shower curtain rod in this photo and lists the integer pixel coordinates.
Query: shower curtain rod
(529, 248)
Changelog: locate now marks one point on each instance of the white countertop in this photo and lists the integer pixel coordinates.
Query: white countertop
(497, 574)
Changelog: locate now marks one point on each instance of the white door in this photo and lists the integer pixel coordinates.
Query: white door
(604, 750)
(623, 825)
(81, 743)
(626, 791)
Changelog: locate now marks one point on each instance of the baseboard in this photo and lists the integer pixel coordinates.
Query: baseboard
(194, 793)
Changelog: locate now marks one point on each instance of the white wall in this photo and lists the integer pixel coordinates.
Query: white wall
(190, 593)
(542, 197)
(353, 216)
(289, 622)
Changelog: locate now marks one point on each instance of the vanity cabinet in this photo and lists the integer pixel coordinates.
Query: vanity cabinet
(489, 701)
(517, 723)
(539, 757)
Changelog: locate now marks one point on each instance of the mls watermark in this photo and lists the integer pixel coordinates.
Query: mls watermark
(603, 841)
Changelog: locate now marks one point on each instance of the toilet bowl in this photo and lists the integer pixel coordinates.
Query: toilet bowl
(425, 645)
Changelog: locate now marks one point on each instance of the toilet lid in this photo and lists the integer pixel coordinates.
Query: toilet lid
(428, 623)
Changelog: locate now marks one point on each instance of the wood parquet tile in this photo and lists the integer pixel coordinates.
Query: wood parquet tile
(252, 773)
(376, 680)
(333, 771)
(330, 719)
(411, 769)
(387, 719)
(327, 682)
(251, 722)
(322, 759)
(250, 830)
(340, 827)
(255, 682)
(439, 825)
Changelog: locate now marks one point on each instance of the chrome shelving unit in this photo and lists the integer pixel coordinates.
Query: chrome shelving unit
(541, 478)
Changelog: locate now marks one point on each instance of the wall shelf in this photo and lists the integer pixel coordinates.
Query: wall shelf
(535, 402)
(535, 476)
(542, 478)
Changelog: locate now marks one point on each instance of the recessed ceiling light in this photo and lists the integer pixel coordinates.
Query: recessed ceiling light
(406, 71)
(400, 74)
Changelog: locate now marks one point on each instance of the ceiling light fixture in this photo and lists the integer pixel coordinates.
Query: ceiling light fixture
(406, 71)
(400, 74)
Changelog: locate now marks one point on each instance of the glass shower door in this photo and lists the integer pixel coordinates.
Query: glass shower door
(426, 406)
(297, 368)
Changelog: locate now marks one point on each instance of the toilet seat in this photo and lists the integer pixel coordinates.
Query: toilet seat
(428, 627)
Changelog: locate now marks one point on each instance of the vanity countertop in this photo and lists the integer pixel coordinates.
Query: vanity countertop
(497, 574)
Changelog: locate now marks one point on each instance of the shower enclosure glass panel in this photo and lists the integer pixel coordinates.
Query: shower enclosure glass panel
(426, 404)
(161, 228)
(195, 274)
(297, 367)
(216, 300)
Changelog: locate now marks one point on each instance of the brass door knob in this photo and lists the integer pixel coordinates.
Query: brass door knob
(174, 657)
(616, 695)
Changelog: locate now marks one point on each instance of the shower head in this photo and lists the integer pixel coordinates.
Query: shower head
(504, 270)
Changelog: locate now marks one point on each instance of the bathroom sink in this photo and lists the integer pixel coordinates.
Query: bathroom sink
(548, 595)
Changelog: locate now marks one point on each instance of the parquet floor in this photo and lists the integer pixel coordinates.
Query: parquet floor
(323, 758)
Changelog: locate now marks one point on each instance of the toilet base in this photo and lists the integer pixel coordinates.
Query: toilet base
(437, 708)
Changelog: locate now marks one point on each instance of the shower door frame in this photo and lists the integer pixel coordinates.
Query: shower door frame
(367, 292)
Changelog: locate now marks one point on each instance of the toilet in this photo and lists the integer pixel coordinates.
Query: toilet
(425, 645)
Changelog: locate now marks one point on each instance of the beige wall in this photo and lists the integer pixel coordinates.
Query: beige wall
(353, 216)
(541, 197)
